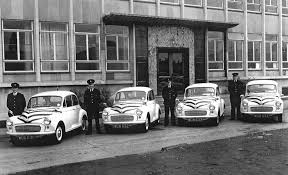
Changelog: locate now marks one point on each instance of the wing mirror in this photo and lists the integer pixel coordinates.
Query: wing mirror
(241, 96)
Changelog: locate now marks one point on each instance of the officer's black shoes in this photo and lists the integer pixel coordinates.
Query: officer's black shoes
(99, 132)
(232, 119)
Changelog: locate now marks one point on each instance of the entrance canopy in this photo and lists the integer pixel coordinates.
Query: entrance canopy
(129, 19)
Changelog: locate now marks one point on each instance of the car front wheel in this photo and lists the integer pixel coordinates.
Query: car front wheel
(84, 125)
(59, 133)
(280, 118)
(146, 125)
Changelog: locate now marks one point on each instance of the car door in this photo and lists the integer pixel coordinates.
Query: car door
(76, 108)
(151, 103)
(68, 112)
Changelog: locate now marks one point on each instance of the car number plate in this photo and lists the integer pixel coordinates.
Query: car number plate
(262, 115)
(25, 137)
(121, 126)
(195, 119)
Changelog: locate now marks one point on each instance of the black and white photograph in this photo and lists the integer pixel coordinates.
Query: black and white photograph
(144, 87)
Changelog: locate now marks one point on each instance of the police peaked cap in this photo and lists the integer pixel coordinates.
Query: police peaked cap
(15, 85)
(235, 74)
(90, 81)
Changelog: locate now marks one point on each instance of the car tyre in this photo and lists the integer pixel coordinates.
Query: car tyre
(180, 122)
(14, 140)
(280, 118)
(146, 125)
(216, 121)
(84, 125)
(158, 120)
(59, 134)
(107, 129)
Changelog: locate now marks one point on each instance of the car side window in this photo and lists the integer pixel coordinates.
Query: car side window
(75, 100)
(68, 100)
(150, 95)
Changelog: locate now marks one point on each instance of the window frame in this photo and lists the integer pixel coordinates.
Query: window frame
(236, 2)
(54, 48)
(254, 55)
(271, 5)
(87, 34)
(213, 7)
(117, 52)
(18, 47)
(172, 3)
(271, 55)
(215, 54)
(235, 55)
(260, 4)
(193, 5)
(285, 43)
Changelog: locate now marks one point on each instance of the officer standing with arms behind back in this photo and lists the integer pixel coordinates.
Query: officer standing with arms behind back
(169, 95)
(15, 101)
(235, 88)
(91, 102)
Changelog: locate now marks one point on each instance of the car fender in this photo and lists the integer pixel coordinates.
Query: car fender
(82, 113)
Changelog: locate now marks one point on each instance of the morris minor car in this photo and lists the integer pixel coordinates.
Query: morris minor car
(133, 107)
(262, 99)
(51, 114)
(202, 102)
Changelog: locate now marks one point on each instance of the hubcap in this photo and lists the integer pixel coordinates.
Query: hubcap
(59, 133)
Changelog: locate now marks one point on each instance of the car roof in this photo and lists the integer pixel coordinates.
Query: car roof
(54, 93)
(262, 82)
(203, 85)
(138, 88)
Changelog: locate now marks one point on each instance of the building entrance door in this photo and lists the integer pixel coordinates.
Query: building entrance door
(174, 63)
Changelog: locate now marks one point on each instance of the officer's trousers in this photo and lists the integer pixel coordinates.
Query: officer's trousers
(92, 114)
(235, 105)
(171, 108)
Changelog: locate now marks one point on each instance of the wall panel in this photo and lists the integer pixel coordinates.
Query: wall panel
(144, 8)
(254, 23)
(215, 15)
(193, 13)
(170, 11)
(272, 20)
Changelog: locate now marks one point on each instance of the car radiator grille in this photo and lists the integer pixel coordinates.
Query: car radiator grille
(122, 118)
(28, 128)
(261, 109)
(195, 113)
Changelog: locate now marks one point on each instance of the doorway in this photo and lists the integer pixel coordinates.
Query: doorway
(174, 63)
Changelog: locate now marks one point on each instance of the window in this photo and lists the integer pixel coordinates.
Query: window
(235, 4)
(271, 6)
(87, 41)
(18, 46)
(271, 52)
(254, 55)
(215, 3)
(254, 5)
(216, 50)
(117, 45)
(285, 7)
(170, 1)
(54, 47)
(285, 55)
(75, 100)
(193, 2)
(235, 51)
(68, 101)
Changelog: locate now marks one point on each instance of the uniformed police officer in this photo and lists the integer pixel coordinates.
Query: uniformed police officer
(15, 101)
(169, 95)
(91, 102)
(235, 88)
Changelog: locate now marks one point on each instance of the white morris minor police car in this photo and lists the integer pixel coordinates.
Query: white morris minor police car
(201, 102)
(51, 113)
(262, 99)
(132, 107)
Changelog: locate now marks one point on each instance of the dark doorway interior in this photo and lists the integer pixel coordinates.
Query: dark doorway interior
(174, 63)
(199, 51)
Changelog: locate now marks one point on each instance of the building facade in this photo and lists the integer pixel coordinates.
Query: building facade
(59, 44)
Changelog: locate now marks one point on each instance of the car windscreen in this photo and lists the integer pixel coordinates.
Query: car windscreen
(130, 96)
(44, 101)
(200, 91)
(262, 88)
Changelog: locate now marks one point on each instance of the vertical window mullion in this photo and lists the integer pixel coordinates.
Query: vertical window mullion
(87, 48)
(215, 52)
(54, 46)
(117, 48)
(18, 46)
(235, 51)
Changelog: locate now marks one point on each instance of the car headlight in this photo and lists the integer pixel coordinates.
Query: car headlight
(179, 108)
(278, 103)
(105, 113)
(46, 121)
(211, 107)
(139, 112)
(245, 104)
(9, 123)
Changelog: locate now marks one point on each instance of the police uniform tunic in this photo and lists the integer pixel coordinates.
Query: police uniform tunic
(169, 95)
(16, 103)
(235, 89)
(91, 103)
